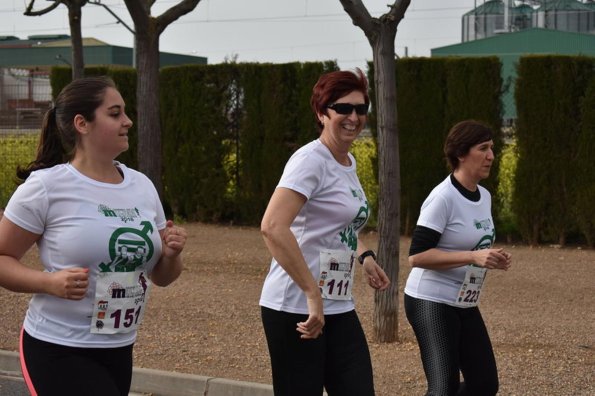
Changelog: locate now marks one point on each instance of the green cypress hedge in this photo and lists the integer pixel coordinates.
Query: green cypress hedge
(264, 130)
(584, 179)
(474, 89)
(549, 89)
(228, 131)
(421, 105)
(194, 118)
(432, 95)
(277, 120)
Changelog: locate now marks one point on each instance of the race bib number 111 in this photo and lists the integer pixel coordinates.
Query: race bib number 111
(336, 275)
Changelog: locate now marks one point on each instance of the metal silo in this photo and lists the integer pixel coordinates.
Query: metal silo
(565, 15)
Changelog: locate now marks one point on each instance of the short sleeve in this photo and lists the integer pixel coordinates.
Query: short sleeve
(28, 206)
(434, 213)
(302, 173)
(159, 213)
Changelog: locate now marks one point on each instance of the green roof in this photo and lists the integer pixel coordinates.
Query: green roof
(44, 51)
(528, 41)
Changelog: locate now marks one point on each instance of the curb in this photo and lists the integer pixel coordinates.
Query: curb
(163, 383)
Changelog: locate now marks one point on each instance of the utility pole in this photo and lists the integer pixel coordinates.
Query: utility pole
(99, 3)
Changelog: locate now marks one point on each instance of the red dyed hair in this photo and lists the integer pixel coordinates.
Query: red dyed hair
(334, 85)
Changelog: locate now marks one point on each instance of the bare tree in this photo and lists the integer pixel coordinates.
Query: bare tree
(381, 33)
(76, 37)
(148, 29)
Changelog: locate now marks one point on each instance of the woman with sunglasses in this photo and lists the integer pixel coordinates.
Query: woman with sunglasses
(451, 252)
(311, 228)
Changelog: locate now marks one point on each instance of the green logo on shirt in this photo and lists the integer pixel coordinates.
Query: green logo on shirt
(349, 234)
(125, 215)
(129, 248)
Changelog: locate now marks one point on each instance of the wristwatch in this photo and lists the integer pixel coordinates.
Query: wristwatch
(365, 254)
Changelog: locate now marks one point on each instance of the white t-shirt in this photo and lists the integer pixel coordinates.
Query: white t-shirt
(85, 223)
(465, 225)
(335, 211)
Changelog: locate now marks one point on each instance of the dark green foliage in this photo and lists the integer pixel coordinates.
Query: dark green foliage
(421, 99)
(265, 134)
(364, 151)
(195, 125)
(277, 120)
(506, 221)
(228, 132)
(15, 150)
(549, 89)
(229, 129)
(474, 89)
(584, 179)
(308, 74)
(432, 95)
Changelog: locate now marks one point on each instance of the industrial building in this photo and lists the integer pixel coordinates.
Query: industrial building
(494, 17)
(25, 90)
(510, 29)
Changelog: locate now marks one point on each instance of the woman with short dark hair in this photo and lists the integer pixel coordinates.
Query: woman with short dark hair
(451, 252)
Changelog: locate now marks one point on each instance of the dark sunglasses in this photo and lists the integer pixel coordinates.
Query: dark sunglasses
(347, 108)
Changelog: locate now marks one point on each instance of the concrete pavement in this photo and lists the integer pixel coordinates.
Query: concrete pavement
(144, 382)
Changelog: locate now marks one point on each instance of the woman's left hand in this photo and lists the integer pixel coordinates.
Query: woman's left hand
(174, 240)
(376, 276)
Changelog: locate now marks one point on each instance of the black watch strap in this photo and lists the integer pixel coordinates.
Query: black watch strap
(365, 254)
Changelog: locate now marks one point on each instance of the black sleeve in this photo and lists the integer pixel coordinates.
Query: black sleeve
(423, 239)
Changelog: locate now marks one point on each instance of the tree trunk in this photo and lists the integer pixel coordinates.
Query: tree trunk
(386, 303)
(148, 29)
(74, 19)
(381, 33)
(147, 94)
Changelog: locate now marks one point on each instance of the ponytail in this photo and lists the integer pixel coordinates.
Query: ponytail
(49, 148)
(58, 139)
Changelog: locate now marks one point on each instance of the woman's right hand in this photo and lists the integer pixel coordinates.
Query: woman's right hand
(492, 258)
(312, 328)
(70, 283)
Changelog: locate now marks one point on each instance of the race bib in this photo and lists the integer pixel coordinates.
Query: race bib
(336, 275)
(120, 301)
(471, 288)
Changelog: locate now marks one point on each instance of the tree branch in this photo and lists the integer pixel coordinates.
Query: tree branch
(360, 16)
(397, 11)
(29, 10)
(175, 12)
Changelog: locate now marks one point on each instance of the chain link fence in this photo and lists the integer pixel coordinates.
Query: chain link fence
(25, 96)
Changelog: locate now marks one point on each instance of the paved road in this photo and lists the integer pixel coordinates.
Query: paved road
(12, 386)
(144, 382)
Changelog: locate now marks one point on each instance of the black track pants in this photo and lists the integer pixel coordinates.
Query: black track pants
(338, 360)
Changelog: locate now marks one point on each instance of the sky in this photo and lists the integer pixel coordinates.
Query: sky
(276, 31)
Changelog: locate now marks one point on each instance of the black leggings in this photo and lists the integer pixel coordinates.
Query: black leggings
(338, 360)
(50, 369)
(452, 339)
